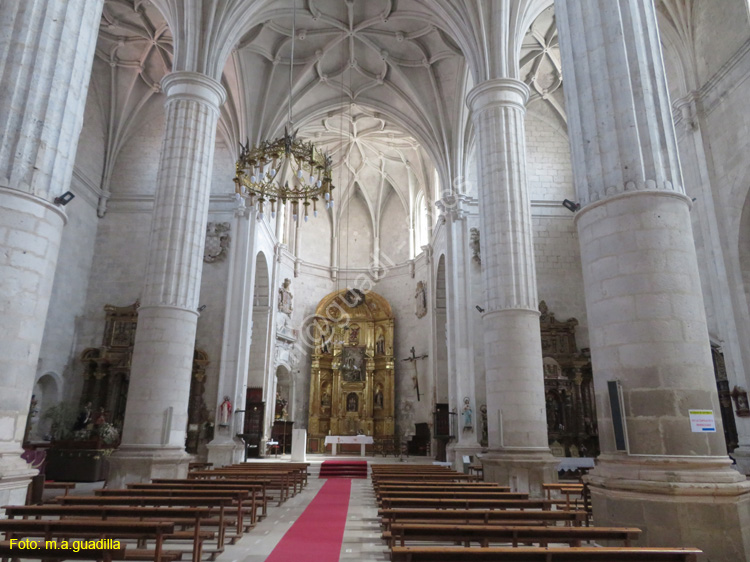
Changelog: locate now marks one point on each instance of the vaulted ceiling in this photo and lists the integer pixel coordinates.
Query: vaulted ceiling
(381, 87)
(380, 84)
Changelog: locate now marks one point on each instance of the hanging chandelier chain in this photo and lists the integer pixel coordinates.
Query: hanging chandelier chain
(291, 63)
(287, 169)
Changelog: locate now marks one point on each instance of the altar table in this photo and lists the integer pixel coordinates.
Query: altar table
(362, 440)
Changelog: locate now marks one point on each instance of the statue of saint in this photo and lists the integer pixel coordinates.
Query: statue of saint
(225, 410)
(285, 297)
(379, 398)
(467, 414)
(421, 300)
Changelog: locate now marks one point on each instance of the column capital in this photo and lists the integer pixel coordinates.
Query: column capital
(194, 86)
(502, 92)
(456, 207)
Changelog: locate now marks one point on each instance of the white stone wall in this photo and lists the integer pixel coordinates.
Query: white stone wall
(721, 27)
(550, 175)
(556, 246)
(69, 290)
(63, 326)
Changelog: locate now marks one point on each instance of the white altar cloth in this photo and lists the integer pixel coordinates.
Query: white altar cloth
(362, 440)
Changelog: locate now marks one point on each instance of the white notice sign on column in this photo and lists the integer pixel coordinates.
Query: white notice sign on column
(702, 420)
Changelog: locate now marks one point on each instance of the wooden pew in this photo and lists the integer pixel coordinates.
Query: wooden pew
(525, 534)
(193, 517)
(217, 505)
(273, 480)
(240, 498)
(303, 467)
(456, 503)
(95, 529)
(436, 485)
(66, 486)
(425, 477)
(456, 494)
(297, 472)
(480, 517)
(536, 554)
(257, 491)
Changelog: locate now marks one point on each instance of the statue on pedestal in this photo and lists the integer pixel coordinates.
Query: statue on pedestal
(285, 297)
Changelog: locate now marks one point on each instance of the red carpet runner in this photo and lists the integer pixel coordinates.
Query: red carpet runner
(319, 532)
(343, 469)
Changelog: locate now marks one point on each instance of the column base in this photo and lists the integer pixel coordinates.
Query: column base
(143, 464)
(457, 451)
(741, 455)
(225, 451)
(15, 477)
(523, 471)
(695, 502)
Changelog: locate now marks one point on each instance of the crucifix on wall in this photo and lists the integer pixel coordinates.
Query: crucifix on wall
(413, 360)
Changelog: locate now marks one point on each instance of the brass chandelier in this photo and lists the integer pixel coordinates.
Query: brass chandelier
(285, 170)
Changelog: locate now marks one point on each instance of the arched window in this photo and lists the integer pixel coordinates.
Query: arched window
(422, 223)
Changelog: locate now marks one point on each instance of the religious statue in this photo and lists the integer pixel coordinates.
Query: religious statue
(378, 401)
(475, 247)
(485, 436)
(352, 402)
(421, 299)
(467, 414)
(281, 404)
(325, 400)
(354, 334)
(325, 339)
(225, 410)
(285, 297)
(380, 344)
(84, 418)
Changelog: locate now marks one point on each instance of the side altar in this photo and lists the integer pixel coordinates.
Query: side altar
(352, 375)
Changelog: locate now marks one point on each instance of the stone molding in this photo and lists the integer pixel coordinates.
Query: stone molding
(629, 187)
(500, 92)
(622, 195)
(193, 86)
(34, 199)
(672, 475)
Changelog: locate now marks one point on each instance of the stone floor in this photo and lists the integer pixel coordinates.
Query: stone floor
(362, 540)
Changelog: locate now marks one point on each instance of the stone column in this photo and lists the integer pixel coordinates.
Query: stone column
(719, 276)
(226, 448)
(460, 333)
(46, 53)
(519, 453)
(155, 419)
(643, 293)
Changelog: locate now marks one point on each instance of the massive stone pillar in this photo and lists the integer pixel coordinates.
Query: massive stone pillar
(46, 53)
(153, 439)
(455, 209)
(643, 294)
(519, 452)
(226, 448)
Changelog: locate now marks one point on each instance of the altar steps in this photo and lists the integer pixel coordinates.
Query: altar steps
(343, 469)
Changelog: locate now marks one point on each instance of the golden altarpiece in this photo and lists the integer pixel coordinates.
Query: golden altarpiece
(352, 376)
